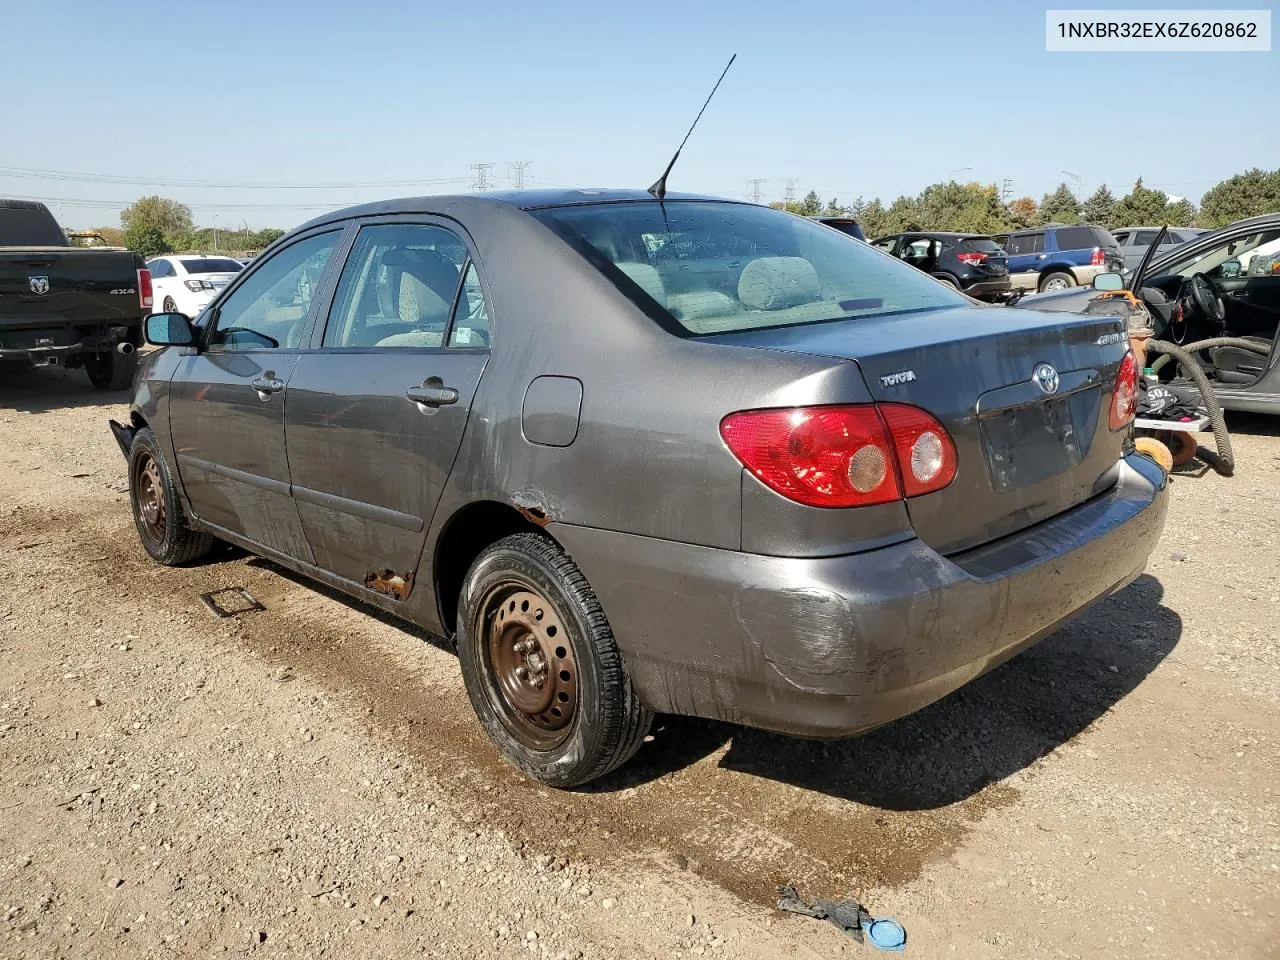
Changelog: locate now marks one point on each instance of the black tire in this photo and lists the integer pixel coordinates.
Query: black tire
(1058, 280)
(111, 371)
(946, 280)
(608, 721)
(171, 540)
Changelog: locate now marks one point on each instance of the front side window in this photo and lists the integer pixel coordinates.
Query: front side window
(703, 267)
(398, 288)
(270, 308)
(1255, 254)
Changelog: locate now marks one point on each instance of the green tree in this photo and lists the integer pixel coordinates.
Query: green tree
(966, 207)
(1100, 209)
(1061, 206)
(1246, 194)
(1180, 213)
(265, 237)
(1142, 207)
(874, 219)
(168, 216)
(833, 209)
(146, 239)
(810, 206)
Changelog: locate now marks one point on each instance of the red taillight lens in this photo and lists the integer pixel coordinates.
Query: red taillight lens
(145, 298)
(1124, 400)
(1099, 258)
(926, 455)
(973, 257)
(843, 456)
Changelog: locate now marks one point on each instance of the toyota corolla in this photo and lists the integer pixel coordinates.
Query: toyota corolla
(688, 456)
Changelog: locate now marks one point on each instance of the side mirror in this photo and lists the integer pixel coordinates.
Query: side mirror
(169, 330)
(1108, 281)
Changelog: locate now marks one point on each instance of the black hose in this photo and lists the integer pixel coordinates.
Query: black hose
(1226, 464)
(1243, 344)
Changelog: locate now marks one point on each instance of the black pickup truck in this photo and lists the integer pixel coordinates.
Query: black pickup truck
(68, 305)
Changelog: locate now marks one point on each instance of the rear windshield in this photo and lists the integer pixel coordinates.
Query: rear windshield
(979, 245)
(29, 227)
(213, 265)
(705, 267)
(1080, 238)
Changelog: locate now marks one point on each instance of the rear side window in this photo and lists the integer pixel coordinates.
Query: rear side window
(705, 267)
(1081, 238)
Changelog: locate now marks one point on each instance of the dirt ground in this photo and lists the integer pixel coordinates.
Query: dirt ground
(309, 780)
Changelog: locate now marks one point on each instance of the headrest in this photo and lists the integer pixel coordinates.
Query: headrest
(775, 283)
(646, 278)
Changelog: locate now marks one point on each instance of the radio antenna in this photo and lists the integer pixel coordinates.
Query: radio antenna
(659, 188)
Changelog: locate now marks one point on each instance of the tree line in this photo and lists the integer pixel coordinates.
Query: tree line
(977, 207)
(157, 225)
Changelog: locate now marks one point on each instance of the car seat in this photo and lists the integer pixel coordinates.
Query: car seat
(418, 292)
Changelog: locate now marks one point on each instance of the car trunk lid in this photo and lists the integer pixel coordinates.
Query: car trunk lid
(983, 255)
(1025, 397)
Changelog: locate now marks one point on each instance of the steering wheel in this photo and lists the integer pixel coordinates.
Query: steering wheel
(1205, 296)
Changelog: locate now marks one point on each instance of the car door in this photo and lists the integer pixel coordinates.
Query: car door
(161, 280)
(227, 399)
(1026, 253)
(1251, 288)
(376, 412)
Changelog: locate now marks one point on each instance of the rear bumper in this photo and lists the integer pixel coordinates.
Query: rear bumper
(57, 345)
(992, 288)
(836, 646)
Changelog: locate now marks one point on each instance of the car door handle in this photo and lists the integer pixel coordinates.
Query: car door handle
(267, 385)
(432, 394)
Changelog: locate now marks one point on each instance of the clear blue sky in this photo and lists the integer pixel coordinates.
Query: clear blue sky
(849, 98)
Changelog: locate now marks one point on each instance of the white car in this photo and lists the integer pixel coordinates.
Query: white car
(186, 284)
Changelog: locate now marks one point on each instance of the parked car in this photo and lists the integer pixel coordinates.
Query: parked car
(845, 225)
(1224, 283)
(1134, 241)
(1057, 257)
(67, 305)
(971, 263)
(187, 283)
(692, 456)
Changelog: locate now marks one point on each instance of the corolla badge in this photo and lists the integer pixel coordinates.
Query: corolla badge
(38, 285)
(1046, 378)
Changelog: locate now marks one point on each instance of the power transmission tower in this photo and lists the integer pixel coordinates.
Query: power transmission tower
(755, 189)
(790, 195)
(517, 172)
(1006, 190)
(481, 181)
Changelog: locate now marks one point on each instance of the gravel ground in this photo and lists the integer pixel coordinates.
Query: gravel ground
(308, 780)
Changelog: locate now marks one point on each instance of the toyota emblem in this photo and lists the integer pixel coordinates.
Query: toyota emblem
(1046, 378)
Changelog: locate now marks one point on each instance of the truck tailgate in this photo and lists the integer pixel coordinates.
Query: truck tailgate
(47, 286)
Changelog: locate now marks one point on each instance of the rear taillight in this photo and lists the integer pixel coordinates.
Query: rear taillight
(843, 456)
(973, 257)
(145, 298)
(196, 285)
(1124, 400)
(1099, 258)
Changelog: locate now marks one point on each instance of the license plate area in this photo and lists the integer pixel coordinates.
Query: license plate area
(1026, 445)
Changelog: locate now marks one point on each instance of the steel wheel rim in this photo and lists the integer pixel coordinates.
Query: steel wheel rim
(150, 497)
(530, 666)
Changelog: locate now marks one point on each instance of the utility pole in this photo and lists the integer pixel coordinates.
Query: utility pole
(517, 173)
(754, 195)
(215, 233)
(1006, 190)
(482, 175)
(789, 197)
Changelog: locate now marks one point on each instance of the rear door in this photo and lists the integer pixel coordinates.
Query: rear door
(226, 405)
(376, 412)
(1026, 256)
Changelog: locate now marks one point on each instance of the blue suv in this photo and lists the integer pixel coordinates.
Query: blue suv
(1056, 257)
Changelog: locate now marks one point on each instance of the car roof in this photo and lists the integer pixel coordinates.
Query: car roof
(509, 199)
(1172, 226)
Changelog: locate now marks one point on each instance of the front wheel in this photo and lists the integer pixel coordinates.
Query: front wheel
(541, 667)
(157, 512)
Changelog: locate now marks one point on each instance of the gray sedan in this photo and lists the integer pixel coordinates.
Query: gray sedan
(691, 456)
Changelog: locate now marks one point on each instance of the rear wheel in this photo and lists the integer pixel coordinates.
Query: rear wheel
(947, 281)
(169, 306)
(157, 511)
(1056, 281)
(112, 370)
(541, 667)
